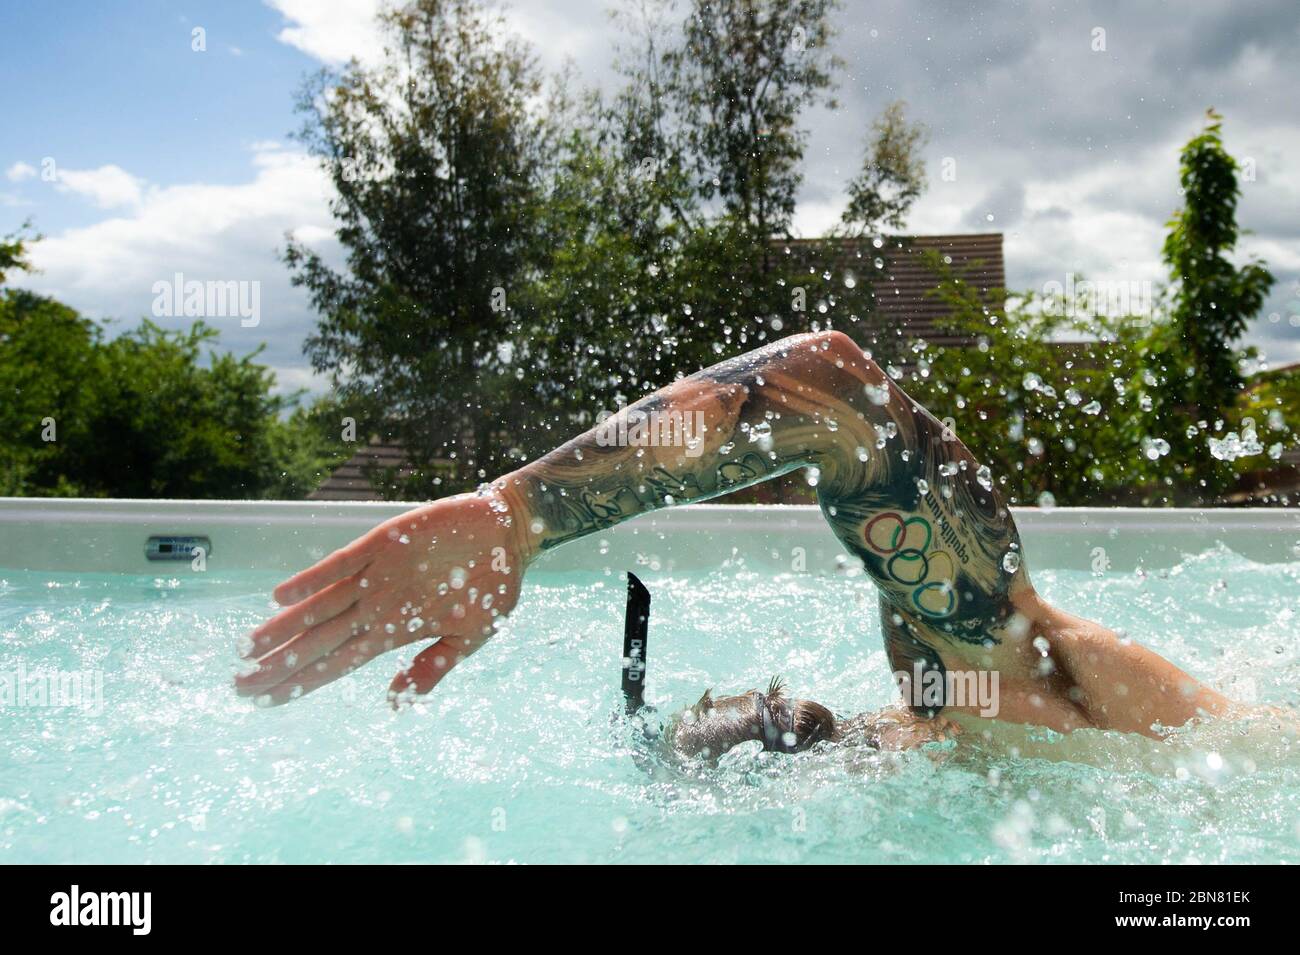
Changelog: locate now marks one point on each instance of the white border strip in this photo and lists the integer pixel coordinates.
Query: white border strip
(92, 534)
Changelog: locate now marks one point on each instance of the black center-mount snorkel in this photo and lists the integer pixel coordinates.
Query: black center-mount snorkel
(636, 629)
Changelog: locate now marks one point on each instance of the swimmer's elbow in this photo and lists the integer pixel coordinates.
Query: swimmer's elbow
(843, 351)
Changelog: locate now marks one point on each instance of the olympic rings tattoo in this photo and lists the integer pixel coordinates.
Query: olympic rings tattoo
(901, 543)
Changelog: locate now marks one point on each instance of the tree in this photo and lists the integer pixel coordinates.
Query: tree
(737, 83)
(47, 374)
(619, 263)
(717, 100)
(632, 239)
(715, 103)
(434, 155)
(892, 175)
(1193, 353)
(146, 414)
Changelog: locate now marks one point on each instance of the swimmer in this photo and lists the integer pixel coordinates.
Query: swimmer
(900, 491)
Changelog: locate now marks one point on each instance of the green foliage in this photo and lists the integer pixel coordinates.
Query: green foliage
(303, 449)
(13, 251)
(1127, 412)
(163, 426)
(1270, 406)
(1193, 354)
(47, 372)
(141, 415)
(1044, 417)
(518, 260)
(892, 175)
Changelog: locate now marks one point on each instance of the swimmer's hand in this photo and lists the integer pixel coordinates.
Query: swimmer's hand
(445, 571)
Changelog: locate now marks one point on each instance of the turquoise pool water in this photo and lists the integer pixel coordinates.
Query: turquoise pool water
(514, 758)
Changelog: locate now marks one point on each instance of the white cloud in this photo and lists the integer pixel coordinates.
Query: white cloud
(108, 186)
(331, 32)
(209, 233)
(557, 30)
(1096, 161)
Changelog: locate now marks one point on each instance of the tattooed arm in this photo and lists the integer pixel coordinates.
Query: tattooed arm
(900, 492)
(898, 489)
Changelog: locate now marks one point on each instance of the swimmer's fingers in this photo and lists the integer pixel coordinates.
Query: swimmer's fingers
(320, 608)
(300, 652)
(429, 667)
(329, 668)
(344, 562)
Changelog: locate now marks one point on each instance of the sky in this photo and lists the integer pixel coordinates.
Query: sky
(138, 155)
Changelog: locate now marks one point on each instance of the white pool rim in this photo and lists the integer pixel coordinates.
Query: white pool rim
(110, 535)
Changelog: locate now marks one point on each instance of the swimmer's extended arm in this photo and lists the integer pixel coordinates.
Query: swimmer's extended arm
(900, 491)
(449, 569)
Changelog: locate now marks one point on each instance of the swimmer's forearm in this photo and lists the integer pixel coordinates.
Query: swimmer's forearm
(791, 404)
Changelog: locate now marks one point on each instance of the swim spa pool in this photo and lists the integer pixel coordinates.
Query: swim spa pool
(514, 757)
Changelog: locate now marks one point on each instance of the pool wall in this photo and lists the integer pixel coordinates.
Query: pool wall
(97, 535)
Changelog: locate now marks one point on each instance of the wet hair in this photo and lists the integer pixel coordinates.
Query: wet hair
(713, 726)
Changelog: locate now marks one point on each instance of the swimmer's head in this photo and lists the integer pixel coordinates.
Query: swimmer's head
(712, 726)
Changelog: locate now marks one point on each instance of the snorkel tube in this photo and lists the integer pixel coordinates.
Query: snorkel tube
(636, 629)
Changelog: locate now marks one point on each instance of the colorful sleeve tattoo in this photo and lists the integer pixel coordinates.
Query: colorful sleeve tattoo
(899, 490)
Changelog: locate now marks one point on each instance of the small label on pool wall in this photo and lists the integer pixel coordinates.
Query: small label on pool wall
(176, 548)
